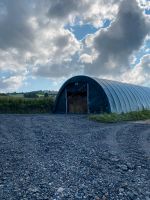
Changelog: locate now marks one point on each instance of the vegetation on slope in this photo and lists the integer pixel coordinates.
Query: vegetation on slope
(113, 117)
(26, 105)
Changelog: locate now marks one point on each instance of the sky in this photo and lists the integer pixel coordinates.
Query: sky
(43, 43)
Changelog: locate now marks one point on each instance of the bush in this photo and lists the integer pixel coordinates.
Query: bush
(26, 105)
(31, 95)
(113, 117)
(46, 95)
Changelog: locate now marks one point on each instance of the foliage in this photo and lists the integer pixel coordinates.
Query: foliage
(3, 94)
(31, 95)
(46, 95)
(26, 105)
(113, 117)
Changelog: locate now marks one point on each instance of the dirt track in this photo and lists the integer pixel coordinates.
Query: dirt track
(59, 157)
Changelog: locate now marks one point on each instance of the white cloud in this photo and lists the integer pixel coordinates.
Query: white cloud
(144, 3)
(11, 84)
(140, 74)
(85, 10)
(85, 58)
(34, 42)
(117, 43)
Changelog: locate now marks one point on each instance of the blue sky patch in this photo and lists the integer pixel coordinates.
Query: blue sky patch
(6, 73)
(147, 11)
(35, 84)
(80, 31)
(141, 53)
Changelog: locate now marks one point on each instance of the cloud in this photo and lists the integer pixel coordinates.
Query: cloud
(85, 58)
(16, 40)
(82, 11)
(34, 42)
(57, 70)
(66, 44)
(11, 84)
(144, 4)
(62, 8)
(28, 41)
(15, 32)
(61, 59)
(116, 44)
(140, 74)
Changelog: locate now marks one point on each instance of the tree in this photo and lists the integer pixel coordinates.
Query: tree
(30, 95)
(46, 95)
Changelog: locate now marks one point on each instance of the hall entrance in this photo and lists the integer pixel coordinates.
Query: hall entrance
(77, 102)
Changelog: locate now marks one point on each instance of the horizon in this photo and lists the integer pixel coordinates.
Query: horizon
(43, 43)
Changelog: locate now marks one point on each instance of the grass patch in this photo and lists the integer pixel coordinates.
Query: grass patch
(19, 105)
(113, 117)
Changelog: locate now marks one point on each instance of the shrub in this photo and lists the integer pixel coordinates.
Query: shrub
(113, 117)
(26, 105)
(31, 95)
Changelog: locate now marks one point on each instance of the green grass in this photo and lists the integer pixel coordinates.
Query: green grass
(113, 117)
(21, 105)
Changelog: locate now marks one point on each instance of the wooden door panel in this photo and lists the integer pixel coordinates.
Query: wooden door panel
(77, 103)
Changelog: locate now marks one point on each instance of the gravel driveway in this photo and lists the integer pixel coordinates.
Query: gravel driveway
(64, 157)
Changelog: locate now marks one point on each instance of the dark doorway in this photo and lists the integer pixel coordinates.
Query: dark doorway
(77, 102)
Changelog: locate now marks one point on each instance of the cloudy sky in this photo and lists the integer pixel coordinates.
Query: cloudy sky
(44, 42)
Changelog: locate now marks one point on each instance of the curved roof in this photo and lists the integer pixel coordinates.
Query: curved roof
(122, 97)
(125, 97)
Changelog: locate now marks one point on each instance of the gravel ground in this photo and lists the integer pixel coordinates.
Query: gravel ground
(64, 157)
